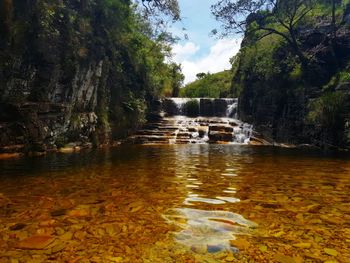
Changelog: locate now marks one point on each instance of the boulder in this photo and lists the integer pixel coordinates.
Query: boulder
(216, 136)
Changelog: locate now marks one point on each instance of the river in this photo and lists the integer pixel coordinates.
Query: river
(176, 203)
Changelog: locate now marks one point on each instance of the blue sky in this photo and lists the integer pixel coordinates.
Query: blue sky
(201, 52)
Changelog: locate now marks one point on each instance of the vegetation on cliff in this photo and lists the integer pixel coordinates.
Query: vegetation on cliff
(207, 85)
(88, 71)
(95, 65)
(292, 72)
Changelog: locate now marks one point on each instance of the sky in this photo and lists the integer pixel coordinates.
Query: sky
(201, 52)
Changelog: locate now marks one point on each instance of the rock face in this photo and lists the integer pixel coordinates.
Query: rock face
(63, 78)
(280, 101)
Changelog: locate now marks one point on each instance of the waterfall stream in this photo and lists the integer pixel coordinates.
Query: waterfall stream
(196, 120)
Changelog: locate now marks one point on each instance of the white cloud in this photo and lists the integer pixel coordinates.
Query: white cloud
(183, 52)
(217, 59)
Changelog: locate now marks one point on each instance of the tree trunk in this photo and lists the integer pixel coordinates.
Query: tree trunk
(334, 27)
(6, 13)
(303, 59)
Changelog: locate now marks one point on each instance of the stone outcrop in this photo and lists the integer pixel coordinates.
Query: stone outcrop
(279, 104)
(65, 78)
(68, 113)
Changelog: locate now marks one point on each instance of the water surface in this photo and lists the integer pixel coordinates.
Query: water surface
(176, 203)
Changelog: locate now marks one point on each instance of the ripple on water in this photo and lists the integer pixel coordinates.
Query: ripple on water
(194, 199)
(229, 199)
(229, 174)
(192, 186)
(208, 230)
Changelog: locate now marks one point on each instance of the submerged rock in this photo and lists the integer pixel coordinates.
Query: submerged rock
(18, 226)
(35, 242)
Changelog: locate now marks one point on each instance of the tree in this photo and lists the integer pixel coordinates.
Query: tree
(200, 75)
(337, 20)
(177, 78)
(280, 17)
(166, 7)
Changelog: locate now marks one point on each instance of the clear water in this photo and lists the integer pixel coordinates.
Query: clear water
(176, 203)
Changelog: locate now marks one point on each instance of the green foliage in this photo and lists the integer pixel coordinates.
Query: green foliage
(344, 76)
(261, 59)
(282, 66)
(328, 111)
(265, 65)
(135, 107)
(192, 108)
(63, 44)
(200, 75)
(209, 85)
(297, 73)
(340, 77)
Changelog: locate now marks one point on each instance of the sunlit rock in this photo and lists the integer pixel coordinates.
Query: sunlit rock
(35, 242)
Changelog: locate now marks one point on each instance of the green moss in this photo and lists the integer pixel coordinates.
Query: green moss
(344, 76)
(340, 77)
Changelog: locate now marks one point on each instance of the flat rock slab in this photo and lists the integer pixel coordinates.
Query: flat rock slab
(35, 242)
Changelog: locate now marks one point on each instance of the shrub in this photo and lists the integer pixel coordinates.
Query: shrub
(328, 111)
(192, 108)
(209, 86)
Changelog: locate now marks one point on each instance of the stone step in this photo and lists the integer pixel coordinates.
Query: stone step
(178, 130)
(220, 136)
(184, 135)
(155, 143)
(182, 141)
(174, 128)
(155, 132)
(220, 128)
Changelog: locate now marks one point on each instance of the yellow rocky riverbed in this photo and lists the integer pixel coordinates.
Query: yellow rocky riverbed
(178, 203)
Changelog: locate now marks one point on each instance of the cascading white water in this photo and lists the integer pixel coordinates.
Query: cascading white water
(199, 120)
(216, 122)
(181, 103)
(223, 107)
(231, 111)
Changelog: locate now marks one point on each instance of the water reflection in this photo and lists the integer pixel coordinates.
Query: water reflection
(201, 226)
(177, 203)
(206, 230)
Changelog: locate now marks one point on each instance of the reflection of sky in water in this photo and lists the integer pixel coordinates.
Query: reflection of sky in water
(211, 185)
(151, 181)
(208, 229)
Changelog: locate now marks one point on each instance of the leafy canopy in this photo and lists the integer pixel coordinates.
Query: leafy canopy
(209, 85)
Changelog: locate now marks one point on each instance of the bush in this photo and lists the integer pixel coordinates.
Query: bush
(209, 86)
(192, 108)
(328, 111)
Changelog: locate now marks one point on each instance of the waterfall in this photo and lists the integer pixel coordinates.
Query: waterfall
(231, 111)
(196, 120)
(207, 107)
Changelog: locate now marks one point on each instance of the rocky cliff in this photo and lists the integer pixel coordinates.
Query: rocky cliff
(72, 72)
(291, 103)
